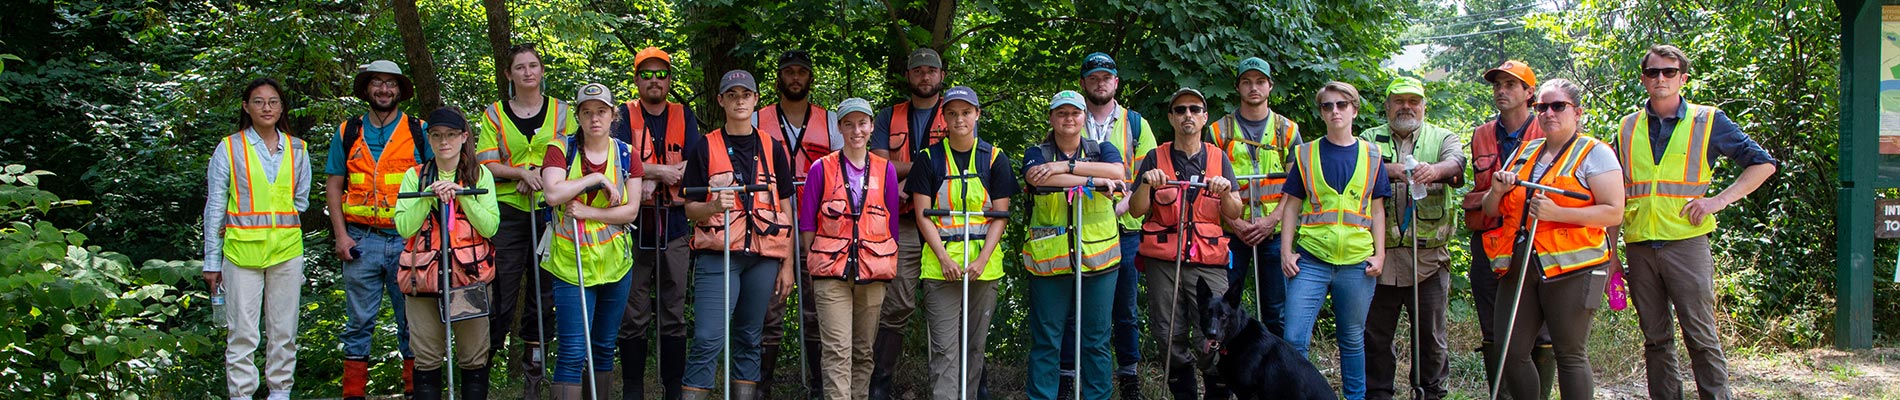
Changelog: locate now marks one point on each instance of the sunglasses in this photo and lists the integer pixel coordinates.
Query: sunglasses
(1557, 106)
(654, 74)
(1189, 109)
(1334, 105)
(1652, 73)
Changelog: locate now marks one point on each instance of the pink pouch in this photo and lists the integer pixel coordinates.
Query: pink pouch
(1619, 293)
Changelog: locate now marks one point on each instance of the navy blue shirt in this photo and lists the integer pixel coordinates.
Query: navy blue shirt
(920, 119)
(1337, 163)
(1725, 137)
(1508, 141)
(676, 226)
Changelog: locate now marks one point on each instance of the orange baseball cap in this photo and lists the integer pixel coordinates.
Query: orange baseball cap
(1515, 68)
(652, 53)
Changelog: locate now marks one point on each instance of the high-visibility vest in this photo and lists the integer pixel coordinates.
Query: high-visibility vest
(1657, 192)
(419, 266)
(764, 226)
(899, 142)
(603, 247)
(673, 142)
(370, 198)
(503, 142)
(1434, 212)
(1127, 133)
(1561, 247)
(813, 143)
(1206, 245)
(261, 227)
(1336, 227)
(854, 241)
(1486, 161)
(1048, 251)
(963, 189)
(1268, 156)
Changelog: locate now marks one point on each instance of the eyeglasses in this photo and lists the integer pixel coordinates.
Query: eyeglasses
(1555, 106)
(445, 135)
(385, 84)
(261, 103)
(1652, 73)
(1334, 105)
(1189, 109)
(654, 73)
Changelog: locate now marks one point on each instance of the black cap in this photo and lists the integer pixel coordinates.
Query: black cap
(794, 57)
(448, 117)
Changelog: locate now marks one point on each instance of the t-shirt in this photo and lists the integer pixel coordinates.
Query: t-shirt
(920, 119)
(1185, 166)
(1601, 160)
(999, 177)
(1337, 164)
(743, 150)
(808, 202)
(1252, 129)
(555, 158)
(676, 226)
(374, 137)
(531, 122)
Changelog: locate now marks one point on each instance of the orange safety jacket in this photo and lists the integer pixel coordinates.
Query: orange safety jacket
(1207, 246)
(854, 240)
(370, 197)
(765, 228)
(1560, 247)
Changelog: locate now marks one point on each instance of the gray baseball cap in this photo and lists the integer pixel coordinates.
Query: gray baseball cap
(1066, 98)
(924, 56)
(594, 92)
(737, 78)
(855, 105)
(1186, 91)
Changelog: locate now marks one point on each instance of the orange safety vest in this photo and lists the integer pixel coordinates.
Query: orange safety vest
(814, 144)
(1561, 247)
(1207, 245)
(674, 142)
(419, 266)
(853, 241)
(370, 198)
(900, 137)
(766, 227)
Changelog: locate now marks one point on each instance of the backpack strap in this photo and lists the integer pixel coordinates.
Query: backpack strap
(420, 137)
(352, 129)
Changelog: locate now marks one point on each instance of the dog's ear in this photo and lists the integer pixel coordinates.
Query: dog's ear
(1201, 292)
(1233, 294)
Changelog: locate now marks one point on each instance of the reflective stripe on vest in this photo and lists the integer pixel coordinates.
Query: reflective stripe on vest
(853, 229)
(813, 143)
(1160, 234)
(764, 228)
(1258, 158)
(1337, 227)
(1657, 192)
(261, 227)
(963, 190)
(1049, 248)
(370, 198)
(1561, 247)
(603, 247)
(1128, 136)
(505, 143)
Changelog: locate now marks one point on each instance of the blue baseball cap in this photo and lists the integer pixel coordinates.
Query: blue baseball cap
(1098, 61)
(963, 94)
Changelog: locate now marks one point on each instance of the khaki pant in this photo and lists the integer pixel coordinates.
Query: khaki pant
(1174, 314)
(943, 307)
(426, 336)
(1678, 276)
(900, 295)
(847, 324)
(274, 293)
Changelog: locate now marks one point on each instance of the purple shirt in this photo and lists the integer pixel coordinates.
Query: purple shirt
(808, 201)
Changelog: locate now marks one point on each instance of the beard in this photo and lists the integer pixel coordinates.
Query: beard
(1407, 124)
(379, 106)
(789, 94)
(925, 91)
(1097, 101)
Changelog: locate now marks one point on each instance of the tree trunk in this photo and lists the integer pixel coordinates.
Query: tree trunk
(416, 48)
(935, 15)
(500, 27)
(712, 51)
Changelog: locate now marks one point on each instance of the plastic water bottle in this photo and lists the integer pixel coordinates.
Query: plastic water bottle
(217, 308)
(1418, 190)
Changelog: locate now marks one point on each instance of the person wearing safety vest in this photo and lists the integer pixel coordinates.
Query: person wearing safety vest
(1110, 123)
(256, 184)
(1668, 151)
(1440, 157)
(659, 131)
(804, 129)
(760, 241)
(1339, 224)
(1174, 261)
(595, 184)
(1570, 248)
(902, 131)
(847, 220)
(1492, 144)
(511, 142)
(419, 220)
(1258, 141)
(366, 163)
(1066, 159)
(962, 173)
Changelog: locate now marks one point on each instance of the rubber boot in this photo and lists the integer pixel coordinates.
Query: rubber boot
(633, 368)
(1128, 386)
(768, 368)
(696, 394)
(355, 377)
(602, 385)
(1216, 387)
(745, 390)
(672, 365)
(983, 385)
(1546, 359)
(428, 384)
(474, 384)
(567, 391)
(1181, 383)
(1065, 385)
(814, 368)
(1491, 360)
(533, 373)
(884, 352)
(409, 377)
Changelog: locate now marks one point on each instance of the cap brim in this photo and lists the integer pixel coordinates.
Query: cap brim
(1110, 71)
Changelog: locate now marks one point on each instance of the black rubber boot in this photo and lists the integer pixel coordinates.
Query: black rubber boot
(884, 352)
(633, 368)
(1181, 383)
(1546, 359)
(768, 368)
(814, 368)
(428, 385)
(672, 364)
(533, 373)
(1128, 386)
(474, 384)
(983, 385)
(1216, 388)
(1065, 386)
(1491, 359)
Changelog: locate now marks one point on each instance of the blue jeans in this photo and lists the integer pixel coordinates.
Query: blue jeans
(1051, 314)
(606, 303)
(365, 281)
(1272, 283)
(1351, 293)
(753, 279)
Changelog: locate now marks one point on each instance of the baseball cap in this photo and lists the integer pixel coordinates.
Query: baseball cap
(1515, 68)
(1186, 91)
(652, 53)
(794, 57)
(1066, 98)
(854, 105)
(963, 94)
(924, 56)
(1255, 64)
(594, 92)
(737, 78)
(1405, 85)
(1098, 61)
(448, 117)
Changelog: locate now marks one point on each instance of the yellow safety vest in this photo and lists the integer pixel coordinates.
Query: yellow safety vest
(1048, 251)
(963, 190)
(1257, 158)
(1335, 226)
(603, 247)
(1657, 192)
(261, 227)
(502, 142)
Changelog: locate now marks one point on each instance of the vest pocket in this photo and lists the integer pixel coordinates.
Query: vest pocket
(1432, 208)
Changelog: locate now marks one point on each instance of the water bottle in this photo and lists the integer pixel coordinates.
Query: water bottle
(1418, 188)
(217, 308)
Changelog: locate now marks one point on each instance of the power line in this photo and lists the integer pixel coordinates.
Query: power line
(1442, 37)
(1479, 16)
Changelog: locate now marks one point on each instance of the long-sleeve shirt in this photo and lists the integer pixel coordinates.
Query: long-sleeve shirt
(218, 187)
(815, 185)
(481, 209)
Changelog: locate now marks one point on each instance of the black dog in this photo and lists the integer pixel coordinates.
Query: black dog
(1254, 363)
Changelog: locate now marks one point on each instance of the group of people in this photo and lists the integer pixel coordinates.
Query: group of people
(591, 219)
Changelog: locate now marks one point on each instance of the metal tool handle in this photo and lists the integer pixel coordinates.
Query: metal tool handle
(703, 190)
(1541, 187)
(1060, 189)
(985, 214)
(463, 192)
